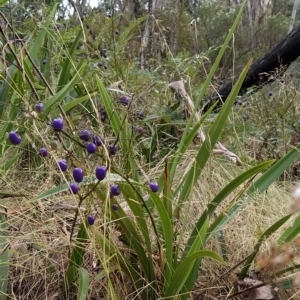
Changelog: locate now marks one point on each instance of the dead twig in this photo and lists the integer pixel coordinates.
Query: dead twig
(178, 87)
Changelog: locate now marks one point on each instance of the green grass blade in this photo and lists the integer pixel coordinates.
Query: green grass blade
(135, 205)
(76, 258)
(182, 272)
(8, 164)
(214, 67)
(262, 238)
(167, 195)
(111, 250)
(2, 2)
(38, 41)
(58, 97)
(290, 233)
(227, 190)
(65, 72)
(121, 130)
(212, 138)
(259, 186)
(167, 228)
(115, 122)
(83, 283)
(68, 106)
(185, 143)
(4, 258)
(135, 243)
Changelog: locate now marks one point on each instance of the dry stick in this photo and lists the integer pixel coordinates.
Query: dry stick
(178, 87)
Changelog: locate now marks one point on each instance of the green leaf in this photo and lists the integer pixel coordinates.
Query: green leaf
(167, 236)
(227, 190)
(83, 282)
(76, 258)
(272, 229)
(167, 197)
(290, 233)
(4, 258)
(204, 153)
(184, 269)
(58, 97)
(259, 186)
(65, 73)
(2, 2)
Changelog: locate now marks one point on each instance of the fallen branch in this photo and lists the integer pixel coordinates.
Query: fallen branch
(178, 87)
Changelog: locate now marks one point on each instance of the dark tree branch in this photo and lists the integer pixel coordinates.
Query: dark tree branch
(274, 62)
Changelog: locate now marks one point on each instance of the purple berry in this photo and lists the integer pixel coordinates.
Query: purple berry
(74, 188)
(97, 141)
(270, 94)
(282, 80)
(78, 174)
(105, 67)
(62, 163)
(124, 100)
(39, 107)
(103, 116)
(14, 138)
(115, 206)
(91, 148)
(113, 149)
(99, 64)
(140, 115)
(43, 152)
(117, 32)
(91, 220)
(57, 124)
(140, 130)
(115, 190)
(240, 103)
(44, 61)
(101, 172)
(154, 186)
(84, 135)
(221, 82)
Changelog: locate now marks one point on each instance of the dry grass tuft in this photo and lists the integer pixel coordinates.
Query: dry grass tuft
(39, 240)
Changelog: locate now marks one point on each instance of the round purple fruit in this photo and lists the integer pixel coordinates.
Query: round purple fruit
(57, 124)
(43, 152)
(91, 148)
(84, 135)
(78, 174)
(62, 164)
(74, 188)
(14, 138)
(39, 107)
(91, 220)
(154, 186)
(115, 190)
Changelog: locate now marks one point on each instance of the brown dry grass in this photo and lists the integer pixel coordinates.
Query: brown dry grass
(39, 239)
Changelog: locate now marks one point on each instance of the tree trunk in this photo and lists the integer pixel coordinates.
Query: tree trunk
(295, 8)
(273, 63)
